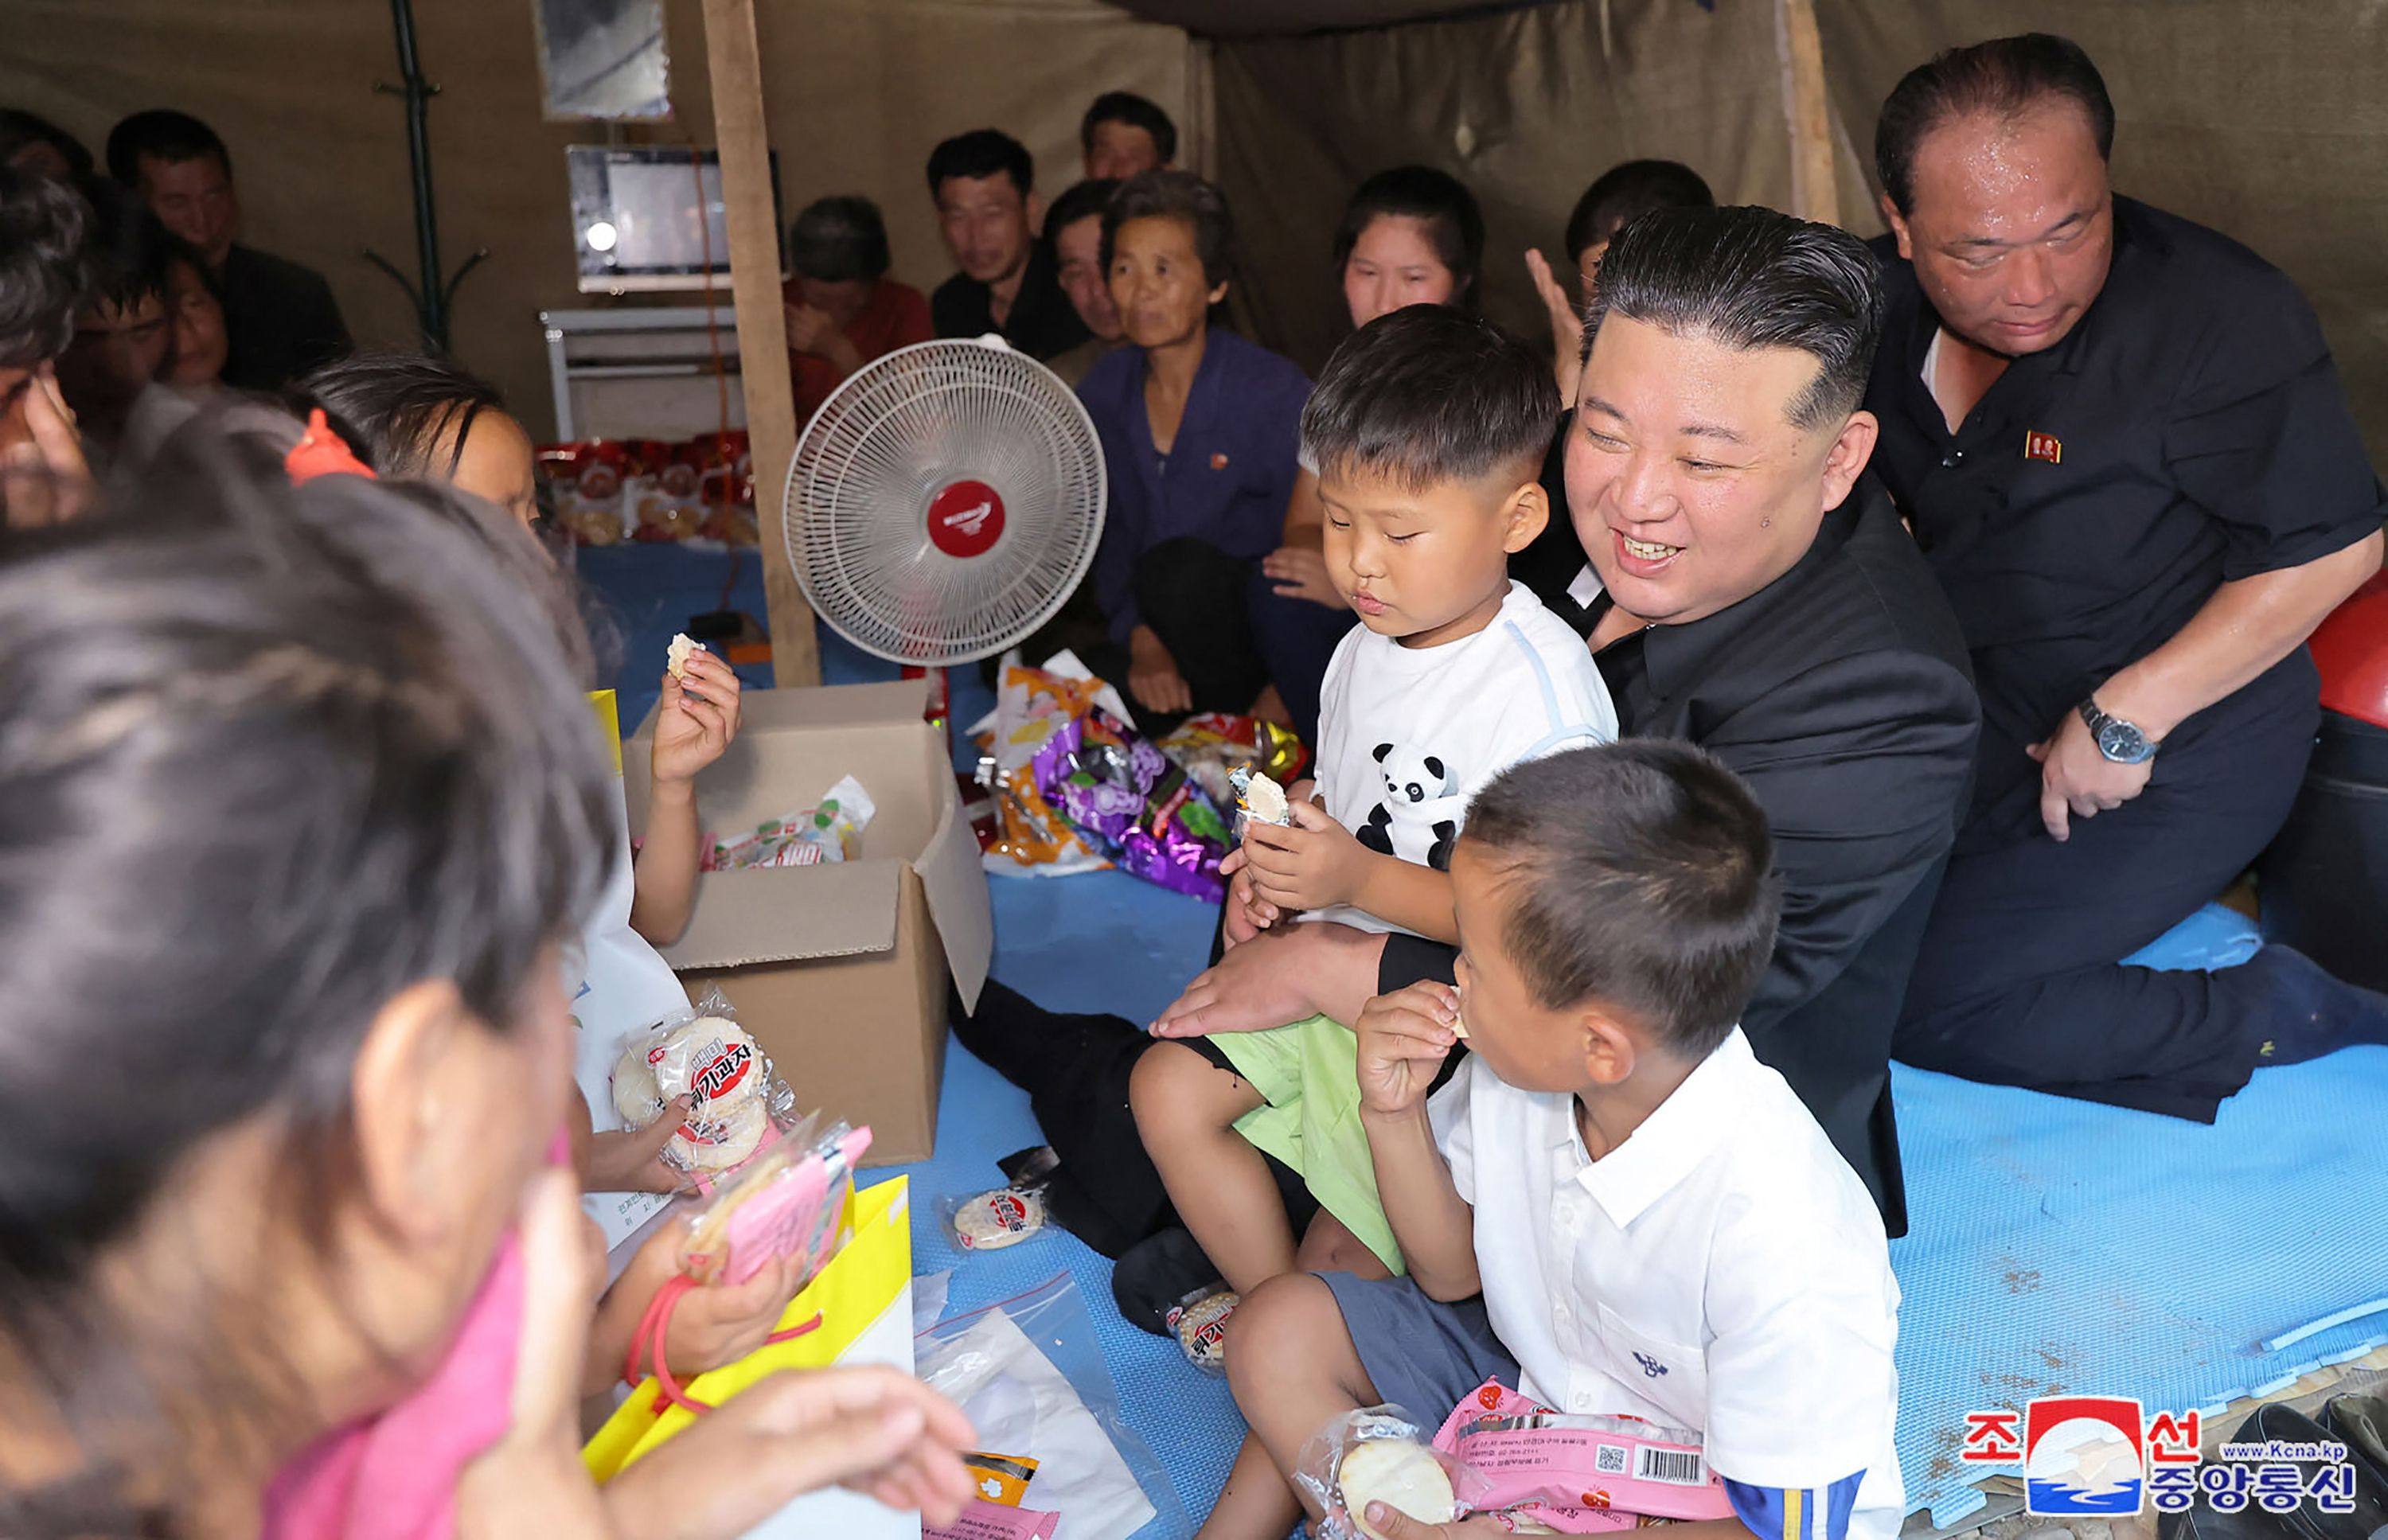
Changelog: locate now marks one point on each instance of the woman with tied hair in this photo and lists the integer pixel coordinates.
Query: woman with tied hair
(286, 864)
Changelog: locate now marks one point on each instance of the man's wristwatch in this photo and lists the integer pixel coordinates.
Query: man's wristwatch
(2120, 741)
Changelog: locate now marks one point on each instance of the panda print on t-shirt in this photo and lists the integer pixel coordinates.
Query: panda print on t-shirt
(1417, 819)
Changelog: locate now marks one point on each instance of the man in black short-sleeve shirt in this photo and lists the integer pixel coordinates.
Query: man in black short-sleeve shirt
(2123, 449)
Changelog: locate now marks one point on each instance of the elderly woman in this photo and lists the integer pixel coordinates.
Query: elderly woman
(843, 309)
(1199, 429)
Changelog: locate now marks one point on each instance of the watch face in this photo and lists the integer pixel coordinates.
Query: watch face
(2122, 742)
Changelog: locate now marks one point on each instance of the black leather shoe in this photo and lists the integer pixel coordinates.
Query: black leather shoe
(2308, 1522)
(1155, 1275)
(2361, 1423)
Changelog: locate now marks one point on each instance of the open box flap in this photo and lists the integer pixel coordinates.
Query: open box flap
(846, 909)
(955, 880)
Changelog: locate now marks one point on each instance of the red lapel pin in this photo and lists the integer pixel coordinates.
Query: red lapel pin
(2043, 445)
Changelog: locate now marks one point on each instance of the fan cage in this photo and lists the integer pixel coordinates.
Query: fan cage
(888, 439)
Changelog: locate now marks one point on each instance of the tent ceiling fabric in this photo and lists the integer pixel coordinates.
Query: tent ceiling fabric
(1222, 18)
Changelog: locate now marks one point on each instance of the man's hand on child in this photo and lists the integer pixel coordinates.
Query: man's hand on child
(1405, 1037)
(1314, 865)
(698, 719)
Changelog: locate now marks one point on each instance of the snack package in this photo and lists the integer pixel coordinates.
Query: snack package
(1577, 1474)
(1380, 1454)
(994, 1219)
(787, 1204)
(811, 836)
(986, 1521)
(1200, 1324)
(1030, 836)
(737, 1104)
(1258, 799)
(584, 485)
(1213, 745)
(1133, 804)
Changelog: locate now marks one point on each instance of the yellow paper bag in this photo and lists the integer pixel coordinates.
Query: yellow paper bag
(862, 1280)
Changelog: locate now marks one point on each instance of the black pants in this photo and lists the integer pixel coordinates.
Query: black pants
(1231, 632)
(2019, 981)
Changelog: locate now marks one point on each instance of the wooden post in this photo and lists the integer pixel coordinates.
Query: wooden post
(1807, 110)
(733, 61)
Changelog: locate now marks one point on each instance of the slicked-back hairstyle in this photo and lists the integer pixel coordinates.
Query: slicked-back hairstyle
(1626, 192)
(1126, 106)
(1427, 395)
(406, 414)
(1440, 202)
(981, 153)
(1637, 874)
(2006, 78)
(1751, 277)
(131, 253)
(838, 240)
(19, 128)
(161, 133)
(43, 227)
(321, 752)
(1168, 194)
(1086, 199)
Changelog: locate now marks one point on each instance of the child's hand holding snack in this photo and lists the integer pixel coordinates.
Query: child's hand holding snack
(714, 1323)
(1405, 1037)
(1314, 864)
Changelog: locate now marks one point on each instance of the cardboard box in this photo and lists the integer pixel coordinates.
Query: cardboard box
(840, 970)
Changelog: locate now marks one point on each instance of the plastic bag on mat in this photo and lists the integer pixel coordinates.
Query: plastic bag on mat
(1032, 837)
(1134, 804)
(1213, 745)
(738, 1105)
(1030, 1376)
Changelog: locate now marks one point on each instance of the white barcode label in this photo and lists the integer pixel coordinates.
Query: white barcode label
(1669, 1467)
(1612, 1459)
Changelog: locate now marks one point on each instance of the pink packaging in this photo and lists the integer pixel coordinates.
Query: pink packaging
(1576, 1474)
(988, 1521)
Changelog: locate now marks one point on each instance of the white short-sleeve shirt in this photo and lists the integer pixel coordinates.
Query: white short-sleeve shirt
(1407, 735)
(1721, 1271)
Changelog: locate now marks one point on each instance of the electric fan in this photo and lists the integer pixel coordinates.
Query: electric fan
(944, 502)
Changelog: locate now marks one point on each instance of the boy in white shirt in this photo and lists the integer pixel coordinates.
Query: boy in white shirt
(1656, 1224)
(1429, 426)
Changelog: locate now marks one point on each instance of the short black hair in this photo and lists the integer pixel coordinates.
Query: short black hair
(1427, 395)
(1084, 199)
(1436, 199)
(838, 240)
(1167, 195)
(19, 128)
(130, 254)
(2006, 76)
(399, 410)
(44, 225)
(1639, 874)
(981, 153)
(1624, 193)
(161, 133)
(1126, 106)
(1751, 277)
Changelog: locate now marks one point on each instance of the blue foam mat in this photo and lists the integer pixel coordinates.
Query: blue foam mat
(2056, 1245)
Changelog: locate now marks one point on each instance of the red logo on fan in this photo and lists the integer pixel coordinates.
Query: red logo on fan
(966, 519)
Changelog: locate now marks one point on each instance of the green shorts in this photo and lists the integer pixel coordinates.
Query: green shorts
(1308, 1073)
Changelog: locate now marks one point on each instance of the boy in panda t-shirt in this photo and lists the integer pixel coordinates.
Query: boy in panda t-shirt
(1429, 427)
